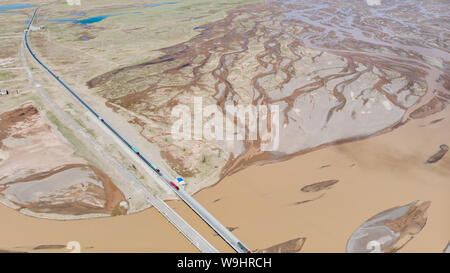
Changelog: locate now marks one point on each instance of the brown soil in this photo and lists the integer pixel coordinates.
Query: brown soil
(207, 62)
(439, 155)
(319, 186)
(447, 248)
(434, 106)
(25, 122)
(110, 193)
(413, 221)
(49, 247)
(113, 195)
(177, 164)
(10, 118)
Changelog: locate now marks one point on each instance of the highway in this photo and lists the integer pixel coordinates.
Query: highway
(220, 229)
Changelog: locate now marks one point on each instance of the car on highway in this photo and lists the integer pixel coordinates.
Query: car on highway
(175, 186)
(135, 150)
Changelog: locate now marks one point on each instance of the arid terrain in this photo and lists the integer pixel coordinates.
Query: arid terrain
(361, 84)
(61, 184)
(363, 89)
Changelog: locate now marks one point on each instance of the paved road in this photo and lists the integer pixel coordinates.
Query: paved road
(220, 229)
